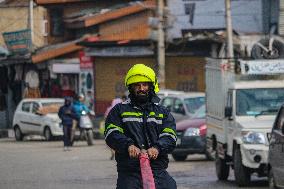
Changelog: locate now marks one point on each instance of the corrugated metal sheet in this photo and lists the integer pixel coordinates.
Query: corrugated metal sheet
(281, 18)
(132, 27)
(53, 51)
(87, 21)
(14, 3)
(43, 2)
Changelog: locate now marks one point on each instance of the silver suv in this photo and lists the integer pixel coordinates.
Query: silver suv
(183, 106)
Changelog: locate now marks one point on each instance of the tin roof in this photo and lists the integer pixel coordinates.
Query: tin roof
(14, 3)
(56, 50)
(44, 2)
(108, 15)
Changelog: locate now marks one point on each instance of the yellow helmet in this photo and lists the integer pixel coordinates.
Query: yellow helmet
(141, 73)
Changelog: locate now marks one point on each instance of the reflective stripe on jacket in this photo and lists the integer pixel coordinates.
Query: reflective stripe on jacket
(153, 126)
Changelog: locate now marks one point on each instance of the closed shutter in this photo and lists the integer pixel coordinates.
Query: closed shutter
(3, 119)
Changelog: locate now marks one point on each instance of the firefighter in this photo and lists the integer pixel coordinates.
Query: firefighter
(139, 124)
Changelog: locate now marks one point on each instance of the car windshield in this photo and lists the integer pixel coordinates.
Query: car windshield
(255, 102)
(193, 104)
(200, 113)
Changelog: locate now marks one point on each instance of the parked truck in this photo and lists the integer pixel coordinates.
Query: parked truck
(242, 100)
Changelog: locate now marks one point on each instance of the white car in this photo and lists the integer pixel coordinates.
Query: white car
(166, 92)
(38, 117)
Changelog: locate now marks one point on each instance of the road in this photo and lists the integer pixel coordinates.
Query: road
(38, 164)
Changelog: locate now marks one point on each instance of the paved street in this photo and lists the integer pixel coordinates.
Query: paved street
(43, 165)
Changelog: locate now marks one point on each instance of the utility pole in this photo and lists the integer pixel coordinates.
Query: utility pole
(161, 45)
(31, 20)
(230, 48)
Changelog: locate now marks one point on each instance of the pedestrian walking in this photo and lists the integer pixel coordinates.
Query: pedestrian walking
(67, 115)
(140, 124)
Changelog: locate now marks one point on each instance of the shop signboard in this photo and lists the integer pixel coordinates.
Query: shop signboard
(86, 62)
(86, 79)
(18, 42)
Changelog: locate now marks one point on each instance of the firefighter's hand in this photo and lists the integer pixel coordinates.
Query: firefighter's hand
(133, 151)
(153, 153)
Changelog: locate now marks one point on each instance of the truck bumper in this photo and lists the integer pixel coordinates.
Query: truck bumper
(254, 155)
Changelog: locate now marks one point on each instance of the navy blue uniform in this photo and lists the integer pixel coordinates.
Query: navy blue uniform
(151, 126)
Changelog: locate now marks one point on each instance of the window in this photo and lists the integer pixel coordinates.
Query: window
(26, 106)
(35, 107)
(168, 103)
(189, 9)
(193, 104)
(178, 107)
(57, 24)
(255, 102)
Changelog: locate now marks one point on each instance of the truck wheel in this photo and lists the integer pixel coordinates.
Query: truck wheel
(179, 157)
(222, 169)
(90, 137)
(242, 173)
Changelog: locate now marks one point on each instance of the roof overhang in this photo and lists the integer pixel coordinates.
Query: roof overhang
(57, 50)
(46, 2)
(125, 48)
(87, 21)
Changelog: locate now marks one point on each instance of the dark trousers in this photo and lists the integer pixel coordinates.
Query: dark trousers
(67, 135)
(133, 180)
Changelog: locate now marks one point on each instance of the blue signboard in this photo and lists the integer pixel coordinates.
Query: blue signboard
(18, 42)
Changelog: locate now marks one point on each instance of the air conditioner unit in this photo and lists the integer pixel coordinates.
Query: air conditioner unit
(44, 28)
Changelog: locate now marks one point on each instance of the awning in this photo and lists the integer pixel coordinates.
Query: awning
(54, 51)
(125, 48)
(65, 68)
(131, 51)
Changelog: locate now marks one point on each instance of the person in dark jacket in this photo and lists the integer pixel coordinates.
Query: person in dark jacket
(141, 124)
(67, 115)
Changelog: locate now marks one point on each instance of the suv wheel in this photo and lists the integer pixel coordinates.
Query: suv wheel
(18, 133)
(47, 134)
